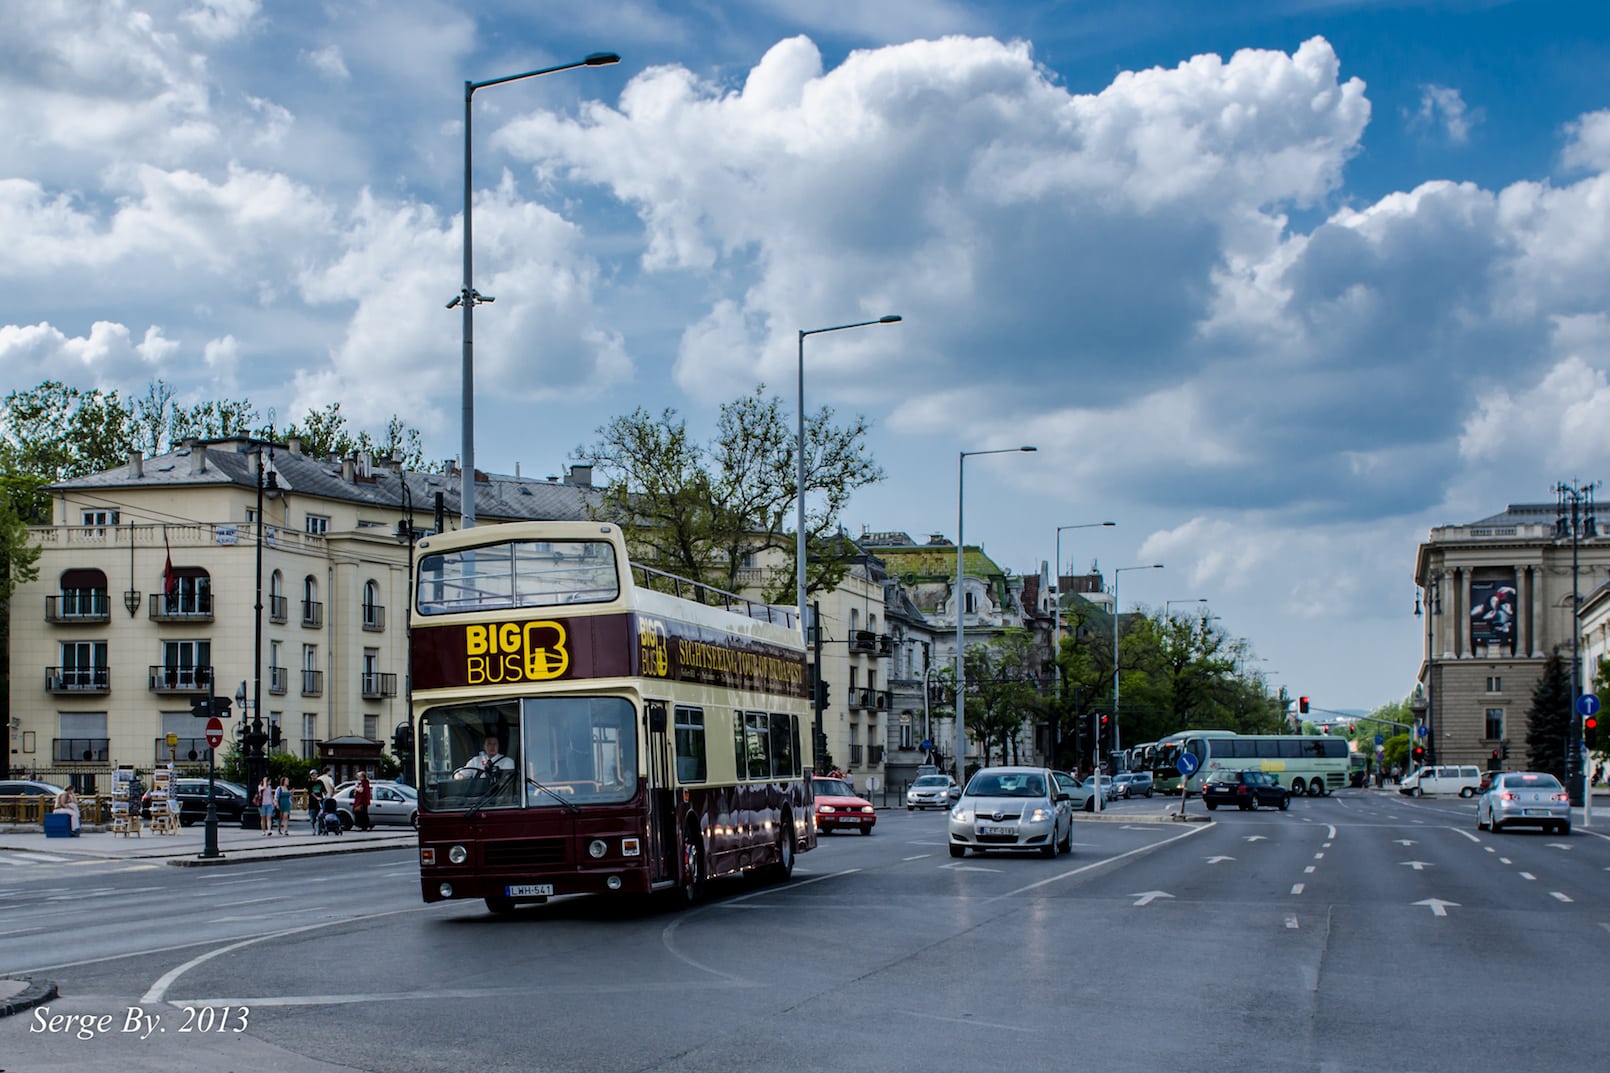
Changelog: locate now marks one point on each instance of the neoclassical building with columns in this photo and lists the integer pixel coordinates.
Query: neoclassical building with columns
(1496, 599)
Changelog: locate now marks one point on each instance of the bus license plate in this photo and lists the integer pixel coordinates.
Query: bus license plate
(530, 890)
(996, 831)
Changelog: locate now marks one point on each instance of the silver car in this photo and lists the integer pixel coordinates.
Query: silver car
(1524, 799)
(1012, 808)
(932, 791)
(392, 804)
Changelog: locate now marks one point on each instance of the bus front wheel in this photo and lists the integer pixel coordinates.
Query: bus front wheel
(784, 868)
(1298, 787)
(693, 876)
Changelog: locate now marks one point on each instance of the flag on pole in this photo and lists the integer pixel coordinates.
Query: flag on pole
(170, 580)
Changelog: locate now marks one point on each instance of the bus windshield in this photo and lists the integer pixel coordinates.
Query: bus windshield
(523, 573)
(569, 750)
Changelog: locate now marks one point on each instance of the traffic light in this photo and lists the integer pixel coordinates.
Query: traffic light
(1419, 753)
(402, 739)
(1302, 705)
(1590, 730)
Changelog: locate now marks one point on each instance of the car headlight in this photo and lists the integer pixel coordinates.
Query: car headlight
(867, 808)
(1039, 815)
(824, 808)
(961, 815)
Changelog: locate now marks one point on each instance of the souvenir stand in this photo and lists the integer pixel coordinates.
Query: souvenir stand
(125, 821)
(164, 807)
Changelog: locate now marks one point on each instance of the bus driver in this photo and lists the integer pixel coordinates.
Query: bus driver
(490, 758)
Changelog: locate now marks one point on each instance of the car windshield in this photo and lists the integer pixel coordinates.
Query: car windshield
(1006, 784)
(832, 788)
(931, 780)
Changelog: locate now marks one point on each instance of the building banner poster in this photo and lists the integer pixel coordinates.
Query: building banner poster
(1492, 612)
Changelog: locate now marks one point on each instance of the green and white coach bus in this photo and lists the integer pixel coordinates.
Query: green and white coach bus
(1309, 764)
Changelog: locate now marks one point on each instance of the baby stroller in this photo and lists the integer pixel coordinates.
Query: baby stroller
(329, 819)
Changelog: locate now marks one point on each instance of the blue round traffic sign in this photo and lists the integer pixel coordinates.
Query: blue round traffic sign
(1187, 763)
(1379, 740)
(1587, 704)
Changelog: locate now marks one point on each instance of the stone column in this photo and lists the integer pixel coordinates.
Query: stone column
(1539, 583)
(1462, 611)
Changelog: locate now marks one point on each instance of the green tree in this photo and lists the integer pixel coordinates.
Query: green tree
(704, 511)
(1002, 692)
(1548, 722)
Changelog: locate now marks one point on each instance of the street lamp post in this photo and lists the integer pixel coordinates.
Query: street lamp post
(799, 451)
(1575, 518)
(961, 606)
(1115, 667)
(1057, 621)
(469, 298)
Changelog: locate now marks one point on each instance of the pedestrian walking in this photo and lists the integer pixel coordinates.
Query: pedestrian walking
(362, 794)
(282, 804)
(264, 800)
(315, 798)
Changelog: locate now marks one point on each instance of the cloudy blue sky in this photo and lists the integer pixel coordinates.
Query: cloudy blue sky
(1277, 286)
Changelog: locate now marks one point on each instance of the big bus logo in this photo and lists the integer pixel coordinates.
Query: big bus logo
(515, 652)
(654, 653)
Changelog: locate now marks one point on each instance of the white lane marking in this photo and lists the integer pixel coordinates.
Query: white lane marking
(1465, 833)
(1330, 827)
(1438, 906)
(1559, 845)
(1217, 859)
(1324, 845)
(1150, 896)
(1319, 856)
(264, 916)
(1199, 829)
(1255, 838)
(1505, 860)
(1418, 865)
(1560, 896)
(1308, 871)
(19, 931)
(14, 856)
(1296, 888)
(918, 857)
(969, 868)
(1527, 875)
(1405, 842)
(158, 991)
(101, 894)
(250, 901)
(1291, 920)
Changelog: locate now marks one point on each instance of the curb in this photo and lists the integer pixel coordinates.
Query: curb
(32, 994)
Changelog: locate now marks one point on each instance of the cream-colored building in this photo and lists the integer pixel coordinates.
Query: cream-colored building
(1496, 601)
(150, 579)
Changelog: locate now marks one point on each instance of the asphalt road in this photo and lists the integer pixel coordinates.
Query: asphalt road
(1358, 932)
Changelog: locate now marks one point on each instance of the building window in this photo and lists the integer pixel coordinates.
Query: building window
(971, 602)
(318, 524)
(1495, 683)
(1495, 724)
(276, 597)
(97, 519)
(371, 727)
(186, 664)
(83, 665)
(906, 736)
(310, 734)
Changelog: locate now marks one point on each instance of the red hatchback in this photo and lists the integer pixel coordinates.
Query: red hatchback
(838, 807)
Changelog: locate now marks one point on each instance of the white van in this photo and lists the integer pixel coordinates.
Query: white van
(1442, 779)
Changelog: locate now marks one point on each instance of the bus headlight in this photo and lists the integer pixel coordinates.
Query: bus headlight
(597, 848)
(445, 890)
(458, 854)
(614, 882)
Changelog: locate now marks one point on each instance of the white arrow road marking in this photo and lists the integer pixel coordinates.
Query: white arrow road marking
(1216, 860)
(1296, 888)
(1560, 896)
(1405, 841)
(1291, 920)
(1417, 865)
(1438, 906)
(1149, 896)
(1256, 838)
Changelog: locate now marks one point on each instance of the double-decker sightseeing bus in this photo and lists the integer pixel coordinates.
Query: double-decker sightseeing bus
(584, 725)
(1308, 764)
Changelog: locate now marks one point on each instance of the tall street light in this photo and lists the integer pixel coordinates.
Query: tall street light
(961, 607)
(1057, 653)
(799, 450)
(469, 298)
(1115, 663)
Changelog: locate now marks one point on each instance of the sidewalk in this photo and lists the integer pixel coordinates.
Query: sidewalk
(184, 847)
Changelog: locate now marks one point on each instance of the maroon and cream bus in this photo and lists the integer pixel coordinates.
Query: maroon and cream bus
(586, 726)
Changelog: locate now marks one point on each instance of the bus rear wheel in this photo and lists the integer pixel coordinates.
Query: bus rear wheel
(784, 868)
(1298, 788)
(693, 877)
(1316, 788)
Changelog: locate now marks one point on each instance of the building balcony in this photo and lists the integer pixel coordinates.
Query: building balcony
(312, 683)
(278, 610)
(376, 686)
(863, 641)
(78, 680)
(374, 618)
(181, 607)
(186, 749)
(80, 750)
(164, 679)
(869, 699)
(277, 679)
(79, 606)
(312, 613)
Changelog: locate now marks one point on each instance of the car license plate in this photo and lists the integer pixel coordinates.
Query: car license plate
(1536, 812)
(997, 831)
(529, 890)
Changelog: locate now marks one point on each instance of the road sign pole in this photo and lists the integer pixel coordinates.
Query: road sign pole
(209, 838)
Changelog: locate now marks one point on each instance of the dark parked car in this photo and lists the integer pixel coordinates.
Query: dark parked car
(1245, 789)
(234, 803)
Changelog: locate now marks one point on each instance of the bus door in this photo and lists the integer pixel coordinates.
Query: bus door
(664, 860)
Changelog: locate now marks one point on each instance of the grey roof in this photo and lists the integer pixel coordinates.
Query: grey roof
(230, 462)
(1523, 514)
